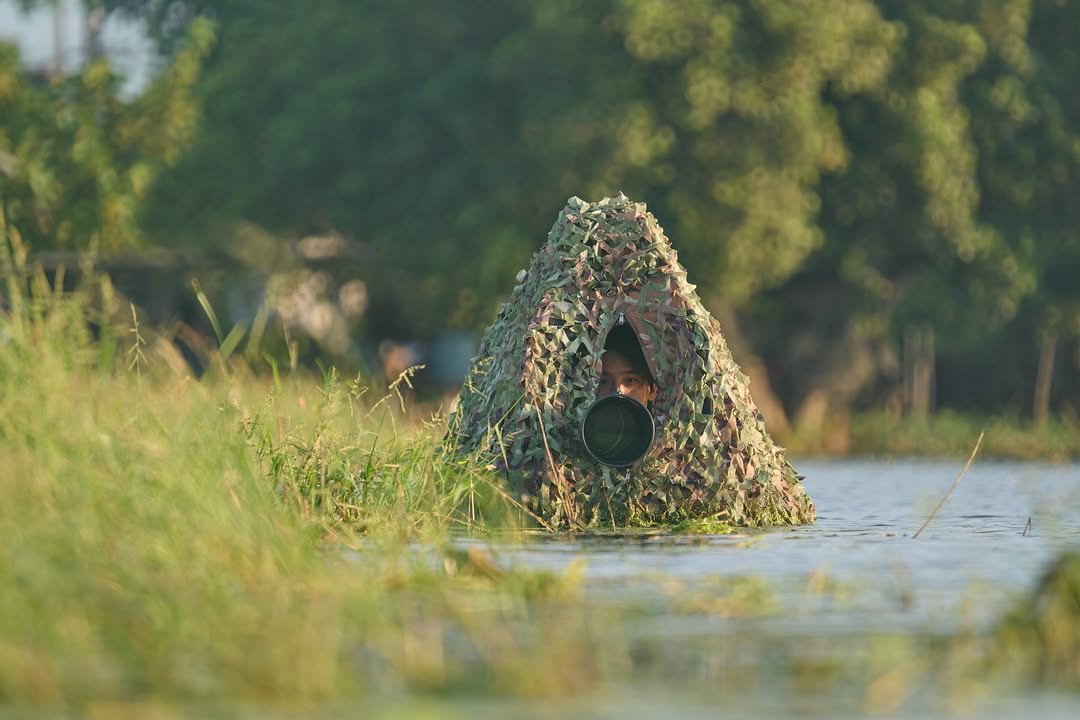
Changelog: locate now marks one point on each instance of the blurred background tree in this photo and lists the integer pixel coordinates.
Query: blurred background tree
(953, 224)
(874, 195)
(79, 159)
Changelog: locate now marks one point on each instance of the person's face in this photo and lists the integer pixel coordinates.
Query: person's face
(617, 377)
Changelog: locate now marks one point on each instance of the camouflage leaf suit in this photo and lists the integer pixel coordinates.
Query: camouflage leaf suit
(537, 371)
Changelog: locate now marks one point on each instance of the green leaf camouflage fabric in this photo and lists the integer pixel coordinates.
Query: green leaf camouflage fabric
(539, 365)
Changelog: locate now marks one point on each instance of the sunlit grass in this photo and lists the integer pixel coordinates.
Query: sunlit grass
(175, 538)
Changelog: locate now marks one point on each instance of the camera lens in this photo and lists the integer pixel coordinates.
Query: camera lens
(617, 430)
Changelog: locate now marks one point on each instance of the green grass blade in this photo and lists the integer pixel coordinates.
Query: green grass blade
(209, 310)
(231, 341)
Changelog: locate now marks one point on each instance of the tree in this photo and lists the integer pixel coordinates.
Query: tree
(846, 173)
(80, 159)
(1028, 130)
(953, 218)
(441, 131)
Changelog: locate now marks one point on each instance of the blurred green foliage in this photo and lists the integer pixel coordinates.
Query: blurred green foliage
(78, 159)
(875, 164)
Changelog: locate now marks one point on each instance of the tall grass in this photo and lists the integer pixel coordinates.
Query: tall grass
(352, 466)
(169, 537)
(142, 548)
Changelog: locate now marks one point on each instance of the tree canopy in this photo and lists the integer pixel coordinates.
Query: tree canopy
(834, 169)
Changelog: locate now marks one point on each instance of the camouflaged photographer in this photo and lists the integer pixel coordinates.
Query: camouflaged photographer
(537, 370)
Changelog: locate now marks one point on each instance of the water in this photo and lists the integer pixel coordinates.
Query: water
(975, 555)
(859, 569)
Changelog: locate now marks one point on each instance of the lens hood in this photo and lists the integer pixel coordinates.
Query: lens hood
(617, 430)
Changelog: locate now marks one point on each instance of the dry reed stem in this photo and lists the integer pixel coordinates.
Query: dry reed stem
(509, 498)
(556, 476)
(956, 482)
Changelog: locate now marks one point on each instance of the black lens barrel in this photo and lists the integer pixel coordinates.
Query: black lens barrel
(617, 430)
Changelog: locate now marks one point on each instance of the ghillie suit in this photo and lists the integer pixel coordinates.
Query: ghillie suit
(538, 367)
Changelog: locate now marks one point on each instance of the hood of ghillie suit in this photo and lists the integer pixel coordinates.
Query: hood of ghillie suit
(538, 367)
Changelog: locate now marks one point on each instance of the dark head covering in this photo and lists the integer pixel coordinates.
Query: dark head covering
(621, 340)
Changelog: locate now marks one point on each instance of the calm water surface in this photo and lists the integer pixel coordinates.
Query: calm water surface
(976, 556)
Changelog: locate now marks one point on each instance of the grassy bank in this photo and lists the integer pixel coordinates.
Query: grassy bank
(281, 545)
(944, 434)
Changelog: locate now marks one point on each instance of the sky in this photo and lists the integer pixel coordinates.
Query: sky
(125, 43)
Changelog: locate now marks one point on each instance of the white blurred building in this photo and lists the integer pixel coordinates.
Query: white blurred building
(62, 34)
